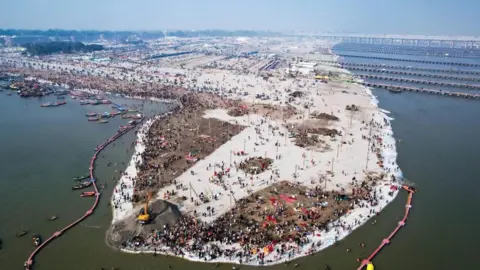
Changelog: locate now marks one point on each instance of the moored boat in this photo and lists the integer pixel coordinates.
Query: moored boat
(58, 103)
(91, 114)
(81, 185)
(87, 194)
(78, 178)
(92, 119)
(103, 121)
(47, 104)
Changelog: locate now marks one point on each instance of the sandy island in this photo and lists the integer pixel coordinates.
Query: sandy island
(257, 166)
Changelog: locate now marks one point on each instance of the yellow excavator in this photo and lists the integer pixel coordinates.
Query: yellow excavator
(144, 216)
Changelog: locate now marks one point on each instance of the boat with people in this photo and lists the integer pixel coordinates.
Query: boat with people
(36, 240)
(78, 178)
(14, 86)
(87, 194)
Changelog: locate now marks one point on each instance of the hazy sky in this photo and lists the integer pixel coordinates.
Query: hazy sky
(435, 17)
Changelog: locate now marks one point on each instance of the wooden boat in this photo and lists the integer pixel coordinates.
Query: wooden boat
(36, 240)
(394, 90)
(87, 183)
(81, 186)
(87, 194)
(58, 103)
(78, 178)
(21, 233)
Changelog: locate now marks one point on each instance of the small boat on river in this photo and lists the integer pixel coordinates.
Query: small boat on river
(36, 240)
(21, 233)
(78, 178)
(87, 194)
(82, 185)
(103, 121)
(92, 119)
(90, 114)
(58, 103)
(47, 104)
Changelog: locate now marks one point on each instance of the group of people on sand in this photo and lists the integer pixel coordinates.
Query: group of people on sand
(236, 237)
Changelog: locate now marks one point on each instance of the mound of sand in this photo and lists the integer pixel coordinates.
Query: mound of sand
(161, 212)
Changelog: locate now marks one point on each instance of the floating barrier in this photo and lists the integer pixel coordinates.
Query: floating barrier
(400, 88)
(29, 263)
(408, 80)
(412, 60)
(386, 241)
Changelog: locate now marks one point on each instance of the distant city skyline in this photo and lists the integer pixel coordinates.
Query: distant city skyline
(420, 17)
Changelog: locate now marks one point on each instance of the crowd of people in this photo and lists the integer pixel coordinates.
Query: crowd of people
(239, 236)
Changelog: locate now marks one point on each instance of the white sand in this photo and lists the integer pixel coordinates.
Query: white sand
(125, 207)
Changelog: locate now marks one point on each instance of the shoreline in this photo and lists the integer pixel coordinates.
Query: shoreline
(131, 169)
(319, 240)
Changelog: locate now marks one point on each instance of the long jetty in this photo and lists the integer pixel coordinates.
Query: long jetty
(29, 263)
(412, 60)
(347, 65)
(450, 54)
(408, 80)
(400, 225)
(418, 74)
(400, 88)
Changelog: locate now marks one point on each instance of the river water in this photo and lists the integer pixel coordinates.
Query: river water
(43, 148)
